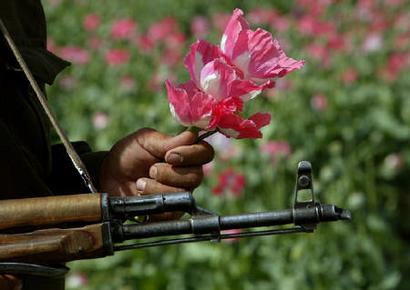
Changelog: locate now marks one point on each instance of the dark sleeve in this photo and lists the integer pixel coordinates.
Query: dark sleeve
(64, 177)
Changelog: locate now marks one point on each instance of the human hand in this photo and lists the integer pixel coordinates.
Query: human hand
(148, 162)
(9, 282)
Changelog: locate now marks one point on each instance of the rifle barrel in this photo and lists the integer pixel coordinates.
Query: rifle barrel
(213, 223)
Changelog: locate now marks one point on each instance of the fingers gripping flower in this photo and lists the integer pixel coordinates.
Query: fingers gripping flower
(222, 79)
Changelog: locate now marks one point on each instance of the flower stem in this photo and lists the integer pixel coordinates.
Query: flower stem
(205, 135)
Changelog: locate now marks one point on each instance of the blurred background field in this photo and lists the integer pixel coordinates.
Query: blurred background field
(347, 111)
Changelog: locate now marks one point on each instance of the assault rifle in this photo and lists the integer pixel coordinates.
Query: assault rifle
(88, 226)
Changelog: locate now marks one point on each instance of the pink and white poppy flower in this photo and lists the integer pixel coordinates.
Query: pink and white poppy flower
(232, 125)
(214, 101)
(257, 55)
(192, 107)
(195, 103)
(223, 78)
(189, 105)
(208, 66)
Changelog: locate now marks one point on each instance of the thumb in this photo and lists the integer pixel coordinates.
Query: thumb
(158, 143)
(186, 137)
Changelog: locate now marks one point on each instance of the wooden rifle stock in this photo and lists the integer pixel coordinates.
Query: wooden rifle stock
(53, 243)
(46, 229)
(56, 245)
(52, 210)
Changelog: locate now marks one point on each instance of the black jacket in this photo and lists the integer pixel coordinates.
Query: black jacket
(29, 165)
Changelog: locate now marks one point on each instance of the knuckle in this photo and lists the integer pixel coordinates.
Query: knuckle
(199, 172)
(144, 133)
(197, 176)
(210, 152)
(145, 130)
(158, 170)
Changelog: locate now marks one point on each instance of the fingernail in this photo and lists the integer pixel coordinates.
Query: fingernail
(175, 158)
(153, 172)
(141, 183)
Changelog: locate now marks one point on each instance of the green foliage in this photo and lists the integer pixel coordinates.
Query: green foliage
(357, 143)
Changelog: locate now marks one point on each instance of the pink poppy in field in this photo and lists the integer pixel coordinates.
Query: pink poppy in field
(208, 168)
(220, 20)
(51, 45)
(319, 102)
(373, 42)
(68, 82)
(280, 23)
(123, 29)
(225, 148)
(307, 25)
(312, 26)
(75, 54)
(77, 280)
(95, 42)
(117, 56)
(159, 76)
(393, 163)
(257, 55)
(160, 30)
(380, 22)
(145, 44)
(261, 16)
(127, 82)
(319, 52)
(349, 76)
(200, 27)
(280, 85)
(230, 181)
(100, 120)
(170, 57)
(231, 232)
(402, 40)
(314, 8)
(173, 43)
(276, 148)
(91, 22)
(395, 65)
(175, 40)
(401, 20)
(394, 2)
(337, 43)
